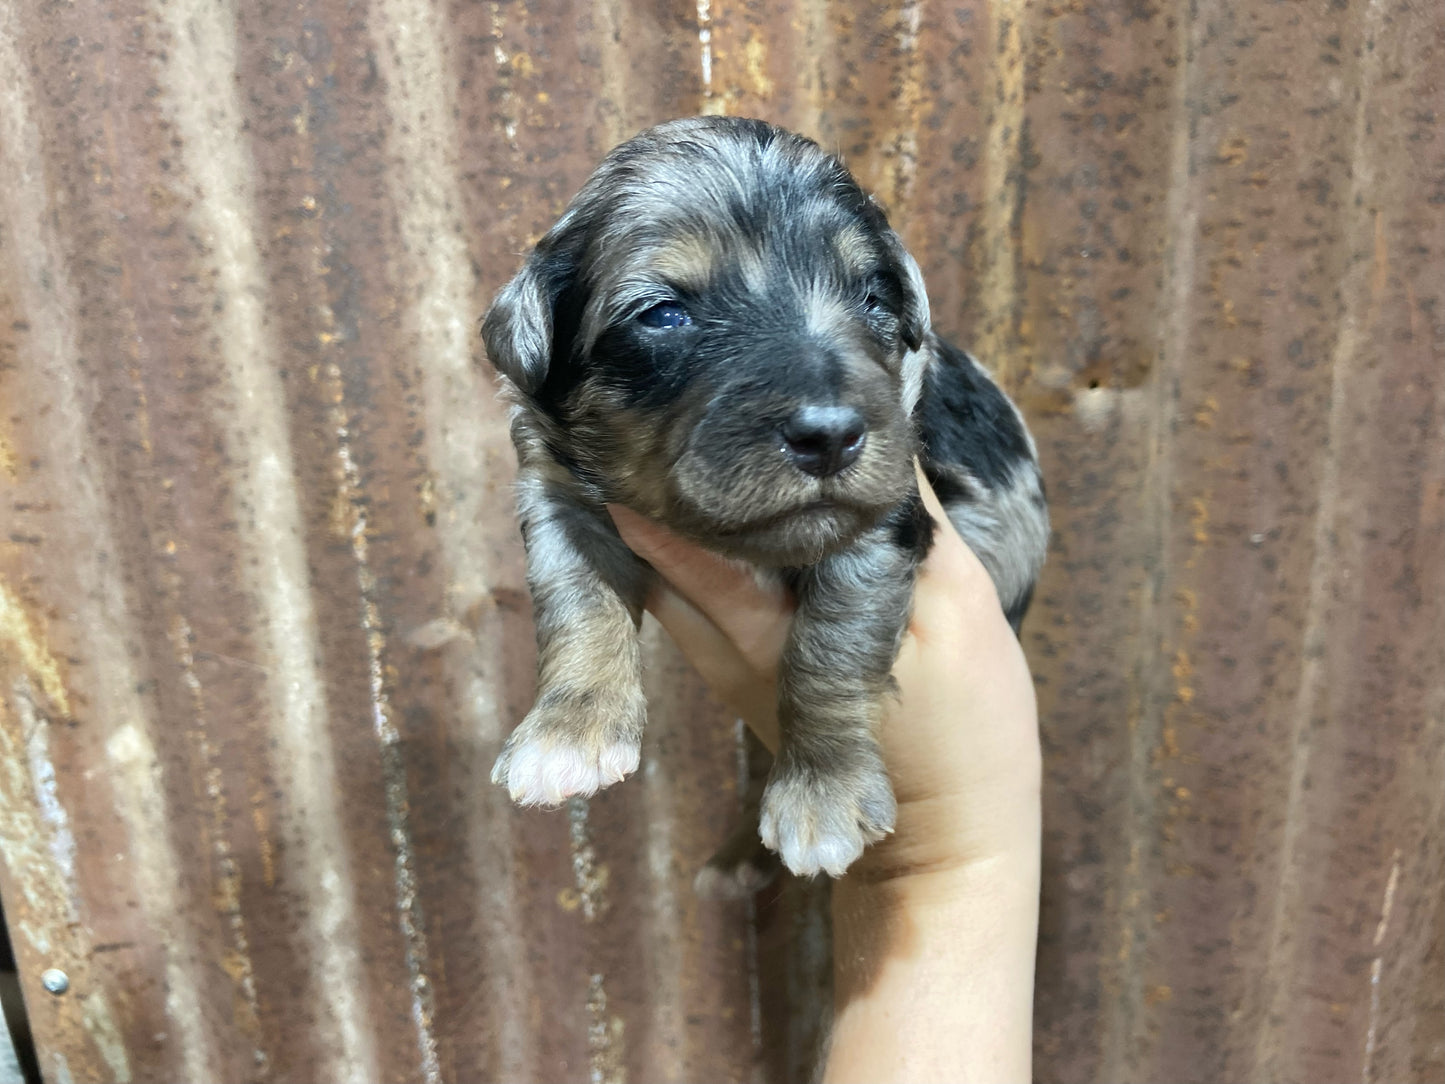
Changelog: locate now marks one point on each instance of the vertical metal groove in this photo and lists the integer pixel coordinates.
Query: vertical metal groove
(422, 185)
(48, 298)
(207, 116)
(409, 916)
(1321, 611)
(226, 886)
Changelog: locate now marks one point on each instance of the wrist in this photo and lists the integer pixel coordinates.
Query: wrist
(878, 887)
(963, 828)
(933, 973)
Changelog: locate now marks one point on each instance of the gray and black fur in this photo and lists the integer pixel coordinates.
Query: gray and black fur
(723, 333)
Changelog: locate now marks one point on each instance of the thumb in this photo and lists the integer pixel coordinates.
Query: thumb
(729, 593)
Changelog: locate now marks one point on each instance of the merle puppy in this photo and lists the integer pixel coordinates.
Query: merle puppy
(723, 333)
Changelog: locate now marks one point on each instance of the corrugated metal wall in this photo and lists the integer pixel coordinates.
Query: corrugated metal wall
(262, 614)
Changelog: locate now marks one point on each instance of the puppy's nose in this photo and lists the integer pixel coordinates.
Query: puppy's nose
(822, 440)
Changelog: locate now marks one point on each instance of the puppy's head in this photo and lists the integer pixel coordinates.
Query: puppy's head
(723, 332)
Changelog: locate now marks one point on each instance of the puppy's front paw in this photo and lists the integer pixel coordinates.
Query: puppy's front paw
(550, 759)
(821, 823)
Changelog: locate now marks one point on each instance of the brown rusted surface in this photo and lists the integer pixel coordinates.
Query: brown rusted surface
(262, 616)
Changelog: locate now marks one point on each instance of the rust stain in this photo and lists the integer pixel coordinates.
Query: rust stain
(1381, 277)
(8, 463)
(1204, 416)
(907, 101)
(465, 436)
(18, 633)
(40, 853)
(1182, 670)
(755, 62)
(350, 495)
(221, 169)
(261, 823)
(135, 769)
(226, 887)
(1234, 151)
(999, 248)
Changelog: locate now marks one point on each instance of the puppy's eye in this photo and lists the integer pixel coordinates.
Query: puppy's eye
(666, 315)
(877, 298)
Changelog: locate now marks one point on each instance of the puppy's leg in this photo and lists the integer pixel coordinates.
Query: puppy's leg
(829, 796)
(585, 730)
(742, 865)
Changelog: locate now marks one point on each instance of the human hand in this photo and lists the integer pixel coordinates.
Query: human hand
(934, 927)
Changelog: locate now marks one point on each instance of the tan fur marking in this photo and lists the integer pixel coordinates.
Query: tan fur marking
(854, 249)
(686, 262)
(825, 313)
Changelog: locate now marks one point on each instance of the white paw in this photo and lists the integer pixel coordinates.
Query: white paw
(737, 883)
(823, 828)
(543, 770)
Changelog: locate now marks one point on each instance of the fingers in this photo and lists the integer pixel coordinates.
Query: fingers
(692, 569)
(736, 680)
(751, 613)
(737, 658)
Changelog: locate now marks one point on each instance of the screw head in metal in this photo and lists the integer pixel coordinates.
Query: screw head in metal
(55, 980)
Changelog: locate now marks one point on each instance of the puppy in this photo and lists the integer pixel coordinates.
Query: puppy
(723, 333)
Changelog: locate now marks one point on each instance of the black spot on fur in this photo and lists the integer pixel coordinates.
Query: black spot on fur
(966, 419)
(650, 369)
(564, 369)
(910, 526)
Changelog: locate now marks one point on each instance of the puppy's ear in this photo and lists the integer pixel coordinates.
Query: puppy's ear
(518, 328)
(914, 321)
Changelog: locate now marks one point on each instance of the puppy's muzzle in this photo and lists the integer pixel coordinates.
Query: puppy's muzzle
(823, 440)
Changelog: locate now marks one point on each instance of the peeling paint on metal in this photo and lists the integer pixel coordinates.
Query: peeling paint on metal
(412, 60)
(62, 1068)
(1003, 161)
(1323, 607)
(1377, 967)
(710, 104)
(589, 876)
(237, 962)
(20, 637)
(408, 907)
(134, 768)
(47, 793)
(604, 1037)
(26, 842)
(48, 296)
(604, 1032)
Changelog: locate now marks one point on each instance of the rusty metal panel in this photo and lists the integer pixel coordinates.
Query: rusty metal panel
(263, 622)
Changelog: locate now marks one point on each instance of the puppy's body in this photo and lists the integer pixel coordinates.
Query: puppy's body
(723, 333)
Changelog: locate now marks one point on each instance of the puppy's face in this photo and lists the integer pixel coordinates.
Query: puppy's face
(723, 333)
